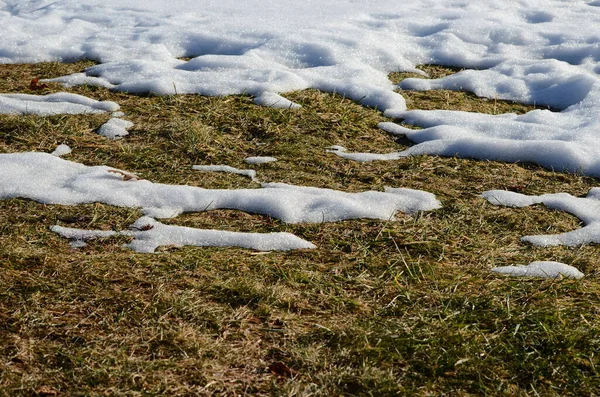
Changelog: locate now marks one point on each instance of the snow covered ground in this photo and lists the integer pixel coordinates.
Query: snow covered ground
(49, 179)
(540, 52)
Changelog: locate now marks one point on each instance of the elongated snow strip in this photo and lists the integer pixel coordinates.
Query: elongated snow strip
(150, 234)
(52, 180)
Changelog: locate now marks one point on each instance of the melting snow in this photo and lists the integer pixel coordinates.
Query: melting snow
(115, 128)
(61, 150)
(585, 208)
(225, 168)
(149, 234)
(542, 53)
(535, 52)
(259, 160)
(52, 104)
(545, 269)
(362, 157)
(52, 180)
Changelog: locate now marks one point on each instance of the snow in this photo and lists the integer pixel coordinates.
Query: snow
(53, 104)
(545, 53)
(51, 180)
(544, 269)
(538, 52)
(259, 159)
(149, 234)
(362, 157)
(226, 168)
(542, 53)
(61, 150)
(115, 128)
(587, 209)
(274, 100)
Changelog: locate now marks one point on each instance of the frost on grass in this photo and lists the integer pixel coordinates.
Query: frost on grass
(225, 168)
(587, 209)
(544, 269)
(52, 180)
(115, 128)
(53, 104)
(149, 234)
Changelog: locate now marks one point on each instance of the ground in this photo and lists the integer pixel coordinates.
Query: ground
(379, 308)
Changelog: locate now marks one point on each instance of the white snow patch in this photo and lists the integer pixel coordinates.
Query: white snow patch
(563, 141)
(53, 104)
(544, 53)
(544, 269)
(52, 180)
(363, 157)
(259, 159)
(61, 150)
(80, 79)
(115, 128)
(587, 209)
(274, 100)
(225, 168)
(149, 234)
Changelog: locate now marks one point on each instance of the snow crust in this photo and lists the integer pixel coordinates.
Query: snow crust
(52, 180)
(53, 104)
(149, 234)
(115, 128)
(259, 159)
(363, 157)
(544, 269)
(226, 168)
(536, 51)
(587, 209)
(61, 150)
(565, 141)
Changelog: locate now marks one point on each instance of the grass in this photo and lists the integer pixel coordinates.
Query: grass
(407, 307)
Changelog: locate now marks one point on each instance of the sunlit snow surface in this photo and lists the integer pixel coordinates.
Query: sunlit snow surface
(53, 104)
(541, 52)
(52, 180)
(543, 269)
(49, 179)
(61, 150)
(538, 52)
(585, 208)
(259, 159)
(149, 234)
(115, 128)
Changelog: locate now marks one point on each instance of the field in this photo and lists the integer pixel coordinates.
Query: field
(405, 307)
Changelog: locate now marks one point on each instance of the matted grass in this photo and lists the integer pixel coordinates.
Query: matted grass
(379, 308)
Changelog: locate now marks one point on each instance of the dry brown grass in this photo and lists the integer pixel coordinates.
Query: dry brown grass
(380, 308)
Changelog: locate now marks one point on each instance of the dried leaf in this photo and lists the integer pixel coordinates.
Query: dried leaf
(281, 369)
(34, 84)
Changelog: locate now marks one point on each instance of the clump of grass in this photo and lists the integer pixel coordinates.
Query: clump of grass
(379, 308)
